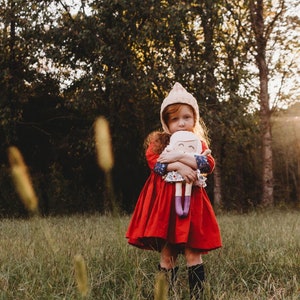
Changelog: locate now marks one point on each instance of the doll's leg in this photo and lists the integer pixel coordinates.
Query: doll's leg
(187, 199)
(178, 198)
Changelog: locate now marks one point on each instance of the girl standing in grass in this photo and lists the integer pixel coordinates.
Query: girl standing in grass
(154, 224)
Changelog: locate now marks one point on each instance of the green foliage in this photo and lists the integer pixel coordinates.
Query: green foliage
(61, 67)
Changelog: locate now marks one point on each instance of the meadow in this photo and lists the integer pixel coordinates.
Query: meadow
(260, 258)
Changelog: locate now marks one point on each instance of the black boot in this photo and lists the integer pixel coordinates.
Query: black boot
(171, 275)
(196, 279)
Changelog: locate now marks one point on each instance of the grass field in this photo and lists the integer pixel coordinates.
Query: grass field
(260, 259)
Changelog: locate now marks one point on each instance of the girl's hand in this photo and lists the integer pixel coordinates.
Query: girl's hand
(167, 156)
(189, 174)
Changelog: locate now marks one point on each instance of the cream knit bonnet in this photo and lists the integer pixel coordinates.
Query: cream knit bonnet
(179, 94)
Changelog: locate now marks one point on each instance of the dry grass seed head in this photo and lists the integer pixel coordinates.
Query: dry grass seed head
(103, 144)
(22, 180)
(81, 275)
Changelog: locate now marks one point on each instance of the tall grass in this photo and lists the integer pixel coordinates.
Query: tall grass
(260, 259)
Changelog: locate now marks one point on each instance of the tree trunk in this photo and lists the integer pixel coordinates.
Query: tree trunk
(267, 153)
(257, 22)
(208, 11)
(217, 187)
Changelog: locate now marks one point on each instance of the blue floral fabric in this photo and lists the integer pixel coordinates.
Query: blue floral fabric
(160, 168)
(202, 163)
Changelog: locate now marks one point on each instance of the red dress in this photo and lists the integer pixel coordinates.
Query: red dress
(155, 222)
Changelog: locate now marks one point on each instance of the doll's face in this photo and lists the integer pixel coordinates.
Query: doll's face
(186, 146)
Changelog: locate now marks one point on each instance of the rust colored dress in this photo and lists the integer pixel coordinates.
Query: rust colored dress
(155, 222)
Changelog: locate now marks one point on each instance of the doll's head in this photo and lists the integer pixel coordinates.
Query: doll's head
(185, 141)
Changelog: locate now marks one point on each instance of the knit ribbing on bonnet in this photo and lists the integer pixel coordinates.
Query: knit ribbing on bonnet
(179, 94)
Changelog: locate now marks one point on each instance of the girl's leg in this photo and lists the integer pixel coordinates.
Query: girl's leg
(167, 264)
(195, 272)
(193, 257)
(168, 256)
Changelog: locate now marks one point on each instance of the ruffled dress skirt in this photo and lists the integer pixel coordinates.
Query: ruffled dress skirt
(154, 221)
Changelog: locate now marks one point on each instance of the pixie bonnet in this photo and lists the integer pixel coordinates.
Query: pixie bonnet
(179, 94)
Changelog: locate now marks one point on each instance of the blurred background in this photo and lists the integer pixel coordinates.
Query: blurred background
(64, 63)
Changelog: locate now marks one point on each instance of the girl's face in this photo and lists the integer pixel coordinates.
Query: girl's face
(181, 119)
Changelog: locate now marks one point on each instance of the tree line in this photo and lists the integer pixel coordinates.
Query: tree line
(63, 66)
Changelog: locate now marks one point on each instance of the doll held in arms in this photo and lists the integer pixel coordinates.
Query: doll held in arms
(184, 142)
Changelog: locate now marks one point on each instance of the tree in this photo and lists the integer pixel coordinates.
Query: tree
(262, 33)
(119, 61)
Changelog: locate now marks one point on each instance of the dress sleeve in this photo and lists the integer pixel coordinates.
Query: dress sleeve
(206, 163)
(151, 157)
(155, 166)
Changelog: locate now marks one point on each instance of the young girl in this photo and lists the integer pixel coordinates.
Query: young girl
(155, 224)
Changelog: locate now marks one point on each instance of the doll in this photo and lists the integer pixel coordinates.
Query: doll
(187, 142)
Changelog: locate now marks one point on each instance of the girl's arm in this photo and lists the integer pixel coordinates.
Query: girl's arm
(175, 156)
(188, 173)
(205, 163)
